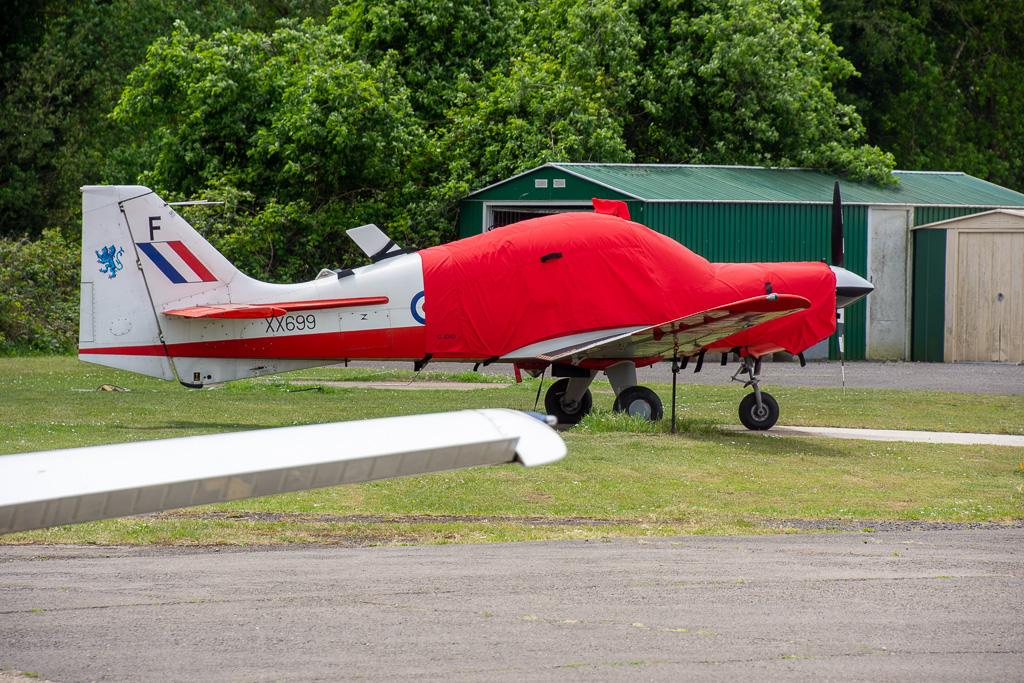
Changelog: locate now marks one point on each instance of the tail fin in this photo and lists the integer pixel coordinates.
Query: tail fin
(138, 256)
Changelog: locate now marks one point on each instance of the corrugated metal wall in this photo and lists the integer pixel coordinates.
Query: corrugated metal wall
(471, 219)
(770, 232)
(746, 232)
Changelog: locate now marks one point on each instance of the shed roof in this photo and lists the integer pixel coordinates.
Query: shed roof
(996, 220)
(687, 183)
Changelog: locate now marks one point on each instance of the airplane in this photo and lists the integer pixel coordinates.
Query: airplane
(580, 293)
(75, 485)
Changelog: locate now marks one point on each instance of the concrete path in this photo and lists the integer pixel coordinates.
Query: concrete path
(395, 385)
(890, 435)
(917, 605)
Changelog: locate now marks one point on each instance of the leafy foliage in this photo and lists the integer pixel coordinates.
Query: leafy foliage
(433, 43)
(563, 96)
(748, 82)
(310, 116)
(393, 111)
(55, 134)
(39, 297)
(288, 122)
(940, 83)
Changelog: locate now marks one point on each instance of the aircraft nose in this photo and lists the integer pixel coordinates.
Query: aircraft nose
(850, 287)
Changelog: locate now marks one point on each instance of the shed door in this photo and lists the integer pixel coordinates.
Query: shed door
(989, 297)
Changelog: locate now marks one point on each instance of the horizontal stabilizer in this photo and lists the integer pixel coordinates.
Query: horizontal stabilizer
(373, 241)
(689, 334)
(54, 488)
(246, 311)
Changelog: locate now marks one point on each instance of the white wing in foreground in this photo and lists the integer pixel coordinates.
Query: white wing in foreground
(54, 488)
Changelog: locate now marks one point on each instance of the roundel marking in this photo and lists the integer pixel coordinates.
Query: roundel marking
(417, 309)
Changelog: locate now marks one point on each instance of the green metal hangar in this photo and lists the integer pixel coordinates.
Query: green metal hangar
(931, 282)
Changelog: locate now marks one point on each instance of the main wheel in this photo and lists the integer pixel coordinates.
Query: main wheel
(566, 413)
(759, 419)
(639, 402)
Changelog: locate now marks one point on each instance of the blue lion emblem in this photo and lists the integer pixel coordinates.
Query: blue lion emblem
(110, 260)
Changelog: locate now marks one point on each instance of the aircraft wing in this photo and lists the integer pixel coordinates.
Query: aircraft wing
(54, 488)
(689, 334)
(275, 310)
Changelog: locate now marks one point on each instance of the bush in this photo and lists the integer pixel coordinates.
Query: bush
(38, 295)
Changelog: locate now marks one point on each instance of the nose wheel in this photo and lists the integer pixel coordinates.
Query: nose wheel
(758, 410)
(759, 417)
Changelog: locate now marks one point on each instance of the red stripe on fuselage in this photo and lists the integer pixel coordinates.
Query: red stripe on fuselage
(152, 350)
(406, 342)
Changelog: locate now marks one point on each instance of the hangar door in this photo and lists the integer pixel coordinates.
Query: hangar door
(988, 305)
(499, 215)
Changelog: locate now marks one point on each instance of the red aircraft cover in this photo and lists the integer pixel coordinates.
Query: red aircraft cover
(575, 272)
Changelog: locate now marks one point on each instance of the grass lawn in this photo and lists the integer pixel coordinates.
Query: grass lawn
(620, 477)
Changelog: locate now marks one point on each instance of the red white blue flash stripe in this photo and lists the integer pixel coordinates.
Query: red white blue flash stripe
(176, 262)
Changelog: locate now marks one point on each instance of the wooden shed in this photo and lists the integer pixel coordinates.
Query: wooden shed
(972, 308)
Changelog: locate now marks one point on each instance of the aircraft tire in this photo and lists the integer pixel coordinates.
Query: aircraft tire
(641, 402)
(571, 415)
(759, 420)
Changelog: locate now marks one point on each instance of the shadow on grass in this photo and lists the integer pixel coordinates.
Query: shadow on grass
(706, 430)
(197, 427)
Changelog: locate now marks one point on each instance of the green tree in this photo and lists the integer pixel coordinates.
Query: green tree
(39, 297)
(433, 44)
(563, 96)
(747, 82)
(288, 124)
(941, 83)
(64, 64)
(393, 111)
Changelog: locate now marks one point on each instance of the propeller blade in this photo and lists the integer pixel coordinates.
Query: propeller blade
(838, 245)
(838, 253)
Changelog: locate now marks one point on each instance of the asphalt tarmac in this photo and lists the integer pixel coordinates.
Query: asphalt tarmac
(909, 602)
(913, 605)
(972, 378)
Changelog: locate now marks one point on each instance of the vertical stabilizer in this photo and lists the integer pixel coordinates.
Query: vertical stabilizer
(118, 326)
(142, 264)
(178, 263)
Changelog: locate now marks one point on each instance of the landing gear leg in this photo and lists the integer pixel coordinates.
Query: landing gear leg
(569, 399)
(629, 398)
(759, 410)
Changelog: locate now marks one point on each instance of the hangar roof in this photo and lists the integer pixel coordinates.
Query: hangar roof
(685, 183)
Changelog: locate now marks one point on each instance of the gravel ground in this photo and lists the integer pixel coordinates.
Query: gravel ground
(881, 526)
